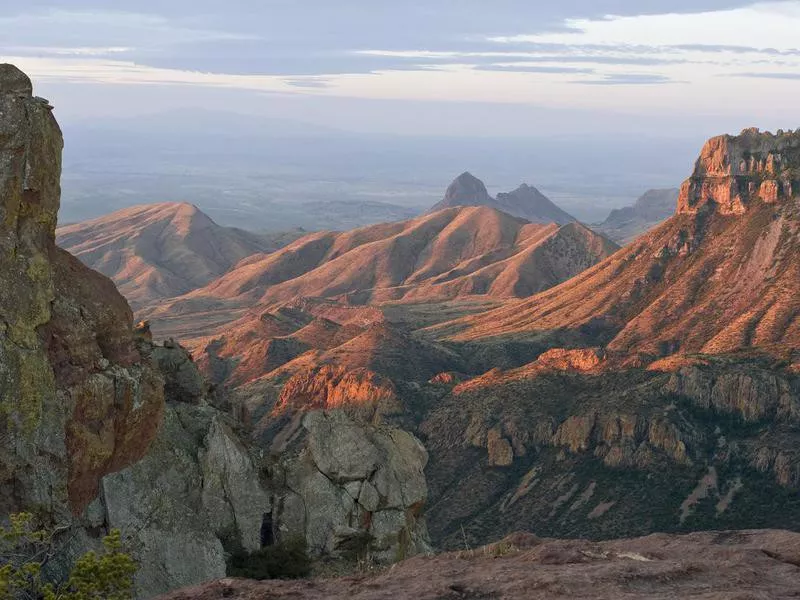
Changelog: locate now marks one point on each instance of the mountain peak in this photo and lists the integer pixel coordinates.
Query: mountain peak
(529, 203)
(525, 202)
(733, 172)
(467, 190)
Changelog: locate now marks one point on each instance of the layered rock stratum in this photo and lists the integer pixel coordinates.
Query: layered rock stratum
(525, 202)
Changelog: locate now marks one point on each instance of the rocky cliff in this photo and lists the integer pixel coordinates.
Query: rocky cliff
(76, 399)
(735, 171)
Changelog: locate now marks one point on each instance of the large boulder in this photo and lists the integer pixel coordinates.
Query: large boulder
(341, 481)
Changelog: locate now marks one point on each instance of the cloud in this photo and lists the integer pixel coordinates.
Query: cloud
(764, 24)
(307, 82)
(56, 28)
(67, 51)
(767, 75)
(516, 68)
(627, 79)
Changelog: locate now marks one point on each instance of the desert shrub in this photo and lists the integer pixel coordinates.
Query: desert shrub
(25, 550)
(287, 559)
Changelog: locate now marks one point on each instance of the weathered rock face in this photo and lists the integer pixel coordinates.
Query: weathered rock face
(76, 400)
(196, 495)
(351, 487)
(733, 171)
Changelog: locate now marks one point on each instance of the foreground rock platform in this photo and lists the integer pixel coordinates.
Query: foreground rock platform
(712, 565)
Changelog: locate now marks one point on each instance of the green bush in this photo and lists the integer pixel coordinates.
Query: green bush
(24, 551)
(285, 560)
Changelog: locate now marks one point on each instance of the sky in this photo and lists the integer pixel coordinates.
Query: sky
(440, 67)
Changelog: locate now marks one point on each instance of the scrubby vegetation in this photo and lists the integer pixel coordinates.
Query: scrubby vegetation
(287, 559)
(25, 551)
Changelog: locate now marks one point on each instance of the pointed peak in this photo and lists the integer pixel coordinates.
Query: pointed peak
(467, 190)
(467, 177)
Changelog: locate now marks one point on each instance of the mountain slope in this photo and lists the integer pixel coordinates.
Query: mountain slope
(624, 224)
(526, 202)
(452, 253)
(156, 251)
(721, 275)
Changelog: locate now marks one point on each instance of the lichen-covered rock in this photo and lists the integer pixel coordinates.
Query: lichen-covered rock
(349, 481)
(76, 399)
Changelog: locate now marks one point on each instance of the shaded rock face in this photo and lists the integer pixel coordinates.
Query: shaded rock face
(76, 400)
(733, 171)
(351, 486)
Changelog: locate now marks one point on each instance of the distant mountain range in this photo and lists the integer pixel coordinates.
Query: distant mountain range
(525, 202)
(625, 224)
(158, 251)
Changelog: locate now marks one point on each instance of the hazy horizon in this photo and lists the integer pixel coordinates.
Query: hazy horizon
(246, 108)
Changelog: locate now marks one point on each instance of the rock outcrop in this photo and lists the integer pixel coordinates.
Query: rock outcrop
(734, 171)
(76, 399)
(194, 497)
(352, 488)
(465, 190)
